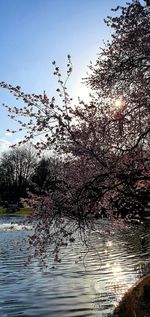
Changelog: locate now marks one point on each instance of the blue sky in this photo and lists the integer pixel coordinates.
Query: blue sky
(35, 32)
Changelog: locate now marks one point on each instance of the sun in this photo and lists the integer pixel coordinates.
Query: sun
(119, 103)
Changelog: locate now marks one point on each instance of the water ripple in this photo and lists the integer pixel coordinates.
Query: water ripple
(84, 284)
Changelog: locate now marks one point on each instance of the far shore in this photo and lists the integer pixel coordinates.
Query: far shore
(21, 211)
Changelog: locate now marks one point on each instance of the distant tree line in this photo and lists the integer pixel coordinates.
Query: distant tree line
(22, 171)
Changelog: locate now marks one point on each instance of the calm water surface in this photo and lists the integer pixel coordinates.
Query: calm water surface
(84, 284)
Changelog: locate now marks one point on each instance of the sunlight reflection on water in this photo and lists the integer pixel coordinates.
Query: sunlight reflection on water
(84, 284)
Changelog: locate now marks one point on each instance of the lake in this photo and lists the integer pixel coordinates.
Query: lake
(83, 284)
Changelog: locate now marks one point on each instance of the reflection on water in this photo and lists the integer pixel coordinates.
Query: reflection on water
(84, 284)
(13, 226)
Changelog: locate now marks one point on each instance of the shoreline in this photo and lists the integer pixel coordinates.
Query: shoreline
(19, 212)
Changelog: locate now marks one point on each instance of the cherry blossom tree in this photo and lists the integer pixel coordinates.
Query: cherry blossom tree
(103, 143)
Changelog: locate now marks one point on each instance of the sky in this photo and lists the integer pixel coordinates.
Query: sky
(33, 33)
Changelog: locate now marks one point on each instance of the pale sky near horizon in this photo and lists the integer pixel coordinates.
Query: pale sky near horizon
(33, 33)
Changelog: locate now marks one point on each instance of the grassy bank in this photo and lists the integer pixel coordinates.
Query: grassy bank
(21, 211)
